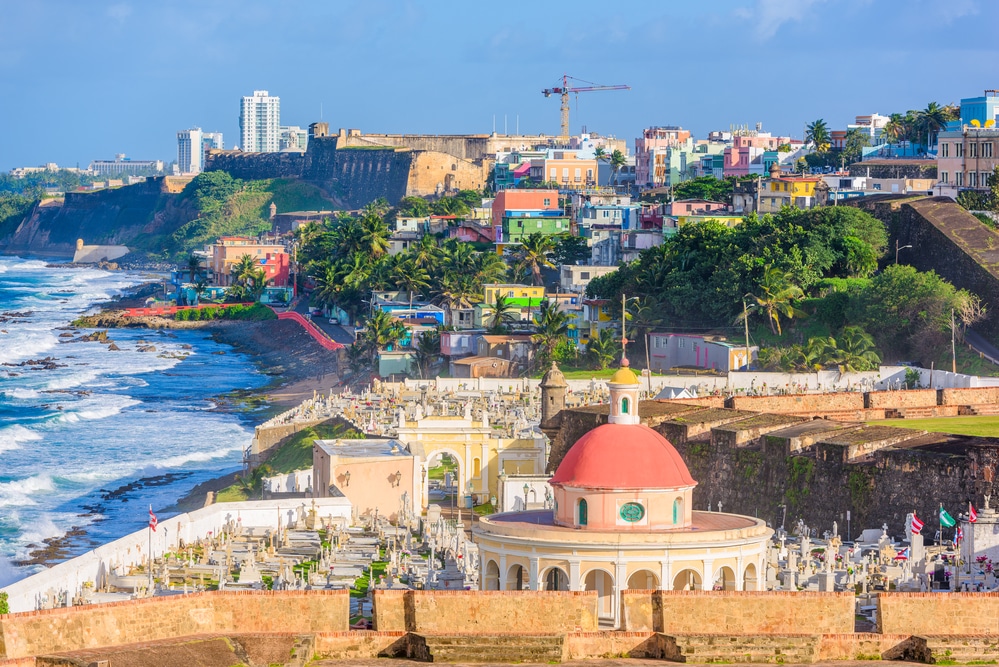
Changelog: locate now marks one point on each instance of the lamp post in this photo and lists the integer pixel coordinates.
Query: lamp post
(527, 490)
(897, 248)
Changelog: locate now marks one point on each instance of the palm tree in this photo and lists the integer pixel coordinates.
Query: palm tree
(603, 349)
(489, 268)
(856, 351)
(931, 120)
(426, 252)
(193, 266)
(617, 160)
(599, 153)
(242, 270)
(817, 133)
(374, 235)
(533, 256)
(328, 285)
(382, 331)
(643, 316)
(257, 282)
(776, 294)
(551, 327)
(427, 353)
(410, 277)
(501, 314)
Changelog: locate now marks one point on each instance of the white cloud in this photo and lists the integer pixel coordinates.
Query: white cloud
(119, 12)
(770, 15)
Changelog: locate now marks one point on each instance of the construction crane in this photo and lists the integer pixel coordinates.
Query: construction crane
(564, 91)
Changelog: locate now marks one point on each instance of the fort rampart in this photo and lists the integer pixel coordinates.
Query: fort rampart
(436, 612)
(75, 628)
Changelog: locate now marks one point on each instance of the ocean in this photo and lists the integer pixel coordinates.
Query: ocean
(99, 435)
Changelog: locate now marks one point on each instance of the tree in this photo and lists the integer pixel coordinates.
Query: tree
(489, 268)
(257, 282)
(855, 351)
(382, 331)
(413, 207)
(570, 249)
(817, 133)
(374, 235)
(427, 353)
(551, 327)
(533, 256)
(242, 270)
(930, 121)
(193, 266)
(775, 298)
(617, 161)
(411, 277)
(501, 313)
(602, 349)
(855, 143)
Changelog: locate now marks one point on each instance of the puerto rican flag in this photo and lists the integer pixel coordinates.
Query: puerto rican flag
(903, 554)
(152, 519)
(917, 525)
(959, 535)
(972, 514)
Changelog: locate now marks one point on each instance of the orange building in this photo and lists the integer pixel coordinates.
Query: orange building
(228, 250)
(508, 201)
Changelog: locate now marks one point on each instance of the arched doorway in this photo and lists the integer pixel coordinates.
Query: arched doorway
(643, 580)
(724, 580)
(603, 583)
(491, 581)
(687, 580)
(516, 578)
(442, 466)
(556, 580)
(749, 582)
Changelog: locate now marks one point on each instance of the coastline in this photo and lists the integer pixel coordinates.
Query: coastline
(294, 363)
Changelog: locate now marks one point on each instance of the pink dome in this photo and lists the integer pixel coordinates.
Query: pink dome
(623, 456)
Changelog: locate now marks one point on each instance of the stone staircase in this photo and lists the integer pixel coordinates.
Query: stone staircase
(498, 648)
(987, 409)
(711, 648)
(951, 649)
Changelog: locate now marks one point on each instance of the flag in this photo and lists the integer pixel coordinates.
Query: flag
(903, 554)
(152, 519)
(959, 535)
(946, 520)
(972, 514)
(917, 525)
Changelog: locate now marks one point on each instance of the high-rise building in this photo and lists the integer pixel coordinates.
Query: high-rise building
(212, 141)
(260, 123)
(294, 138)
(190, 151)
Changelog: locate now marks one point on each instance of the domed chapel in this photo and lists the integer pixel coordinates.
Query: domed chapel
(622, 519)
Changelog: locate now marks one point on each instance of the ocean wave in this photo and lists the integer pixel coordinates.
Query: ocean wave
(11, 437)
(20, 393)
(90, 410)
(189, 457)
(18, 492)
(29, 345)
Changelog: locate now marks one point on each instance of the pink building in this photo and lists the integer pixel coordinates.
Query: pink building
(694, 207)
(655, 140)
(522, 200)
(747, 148)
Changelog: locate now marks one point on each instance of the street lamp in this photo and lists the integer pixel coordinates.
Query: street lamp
(527, 490)
(897, 248)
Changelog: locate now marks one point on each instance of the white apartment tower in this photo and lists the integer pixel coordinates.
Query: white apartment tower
(190, 154)
(260, 123)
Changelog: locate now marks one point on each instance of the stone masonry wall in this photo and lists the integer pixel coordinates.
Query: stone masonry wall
(75, 628)
(738, 613)
(933, 614)
(450, 612)
(798, 403)
(255, 166)
(434, 172)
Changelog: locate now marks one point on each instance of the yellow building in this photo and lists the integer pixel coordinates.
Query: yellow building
(472, 443)
(788, 191)
(524, 300)
(726, 219)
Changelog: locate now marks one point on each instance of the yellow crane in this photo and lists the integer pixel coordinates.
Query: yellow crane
(564, 91)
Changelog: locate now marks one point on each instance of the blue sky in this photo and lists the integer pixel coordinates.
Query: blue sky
(85, 80)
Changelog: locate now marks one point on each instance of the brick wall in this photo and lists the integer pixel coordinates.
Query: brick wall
(536, 612)
(75, 628)
(914, 398)
(360, 644)
(738, 613)
(595, 645)
(935, 614)
(798, 403)
(977, 396)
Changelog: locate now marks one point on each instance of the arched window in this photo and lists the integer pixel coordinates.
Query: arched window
(476, 467)
(624, 405)
(677, 510)
(582, 512)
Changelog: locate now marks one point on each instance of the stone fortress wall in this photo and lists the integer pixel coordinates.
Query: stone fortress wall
(657, 623)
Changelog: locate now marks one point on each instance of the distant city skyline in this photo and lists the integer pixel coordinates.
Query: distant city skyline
(449, 67)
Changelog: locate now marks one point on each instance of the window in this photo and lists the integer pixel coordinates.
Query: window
(958, 150)
(582, 511)
(943, 176)
(677, 511)
(972, 150)
(944, 150)
(972, 178)
(584, 275)
(987, 149)
(624, 405)
(565, 172)
(959, 178)
(548, 202)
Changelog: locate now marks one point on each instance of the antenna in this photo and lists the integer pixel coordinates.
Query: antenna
(320, 111)
(494, 123)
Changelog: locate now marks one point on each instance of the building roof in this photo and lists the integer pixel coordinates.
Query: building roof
(553, 378)
(623, 456)
(624, 375)
(514, 338)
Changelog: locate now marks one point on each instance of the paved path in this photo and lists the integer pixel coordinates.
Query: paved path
(978, 342)
(334, 331)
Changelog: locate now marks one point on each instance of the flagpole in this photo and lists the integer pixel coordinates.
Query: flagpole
(149, 529)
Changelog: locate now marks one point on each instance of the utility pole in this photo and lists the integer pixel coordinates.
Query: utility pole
(648, 366)
(953, 348)
(745, 323)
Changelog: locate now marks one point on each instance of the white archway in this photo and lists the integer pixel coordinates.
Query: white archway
(724, 579)
(687, 580)
(602, 582)
(462, 476)
(555, 579)
(491, 582)
(749, 580)
(517, 578)
(643, 580)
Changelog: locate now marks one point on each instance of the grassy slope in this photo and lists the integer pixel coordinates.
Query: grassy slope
(984, 426)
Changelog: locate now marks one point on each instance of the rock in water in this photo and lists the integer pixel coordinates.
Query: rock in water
(113, 348)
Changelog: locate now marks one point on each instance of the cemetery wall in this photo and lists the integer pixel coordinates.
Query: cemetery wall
(862, 646)
(976, 396)
(913, 398)
(450, 612)
(798, 403)
(595, 645)
(738, 613)
(358, 644)
(936, 614)
(75, 628)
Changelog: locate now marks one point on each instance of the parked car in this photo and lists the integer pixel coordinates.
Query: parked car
(334, 320)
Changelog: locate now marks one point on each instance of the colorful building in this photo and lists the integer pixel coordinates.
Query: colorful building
(229, 250)
(670, 350)
(525, 300)
(796, 191)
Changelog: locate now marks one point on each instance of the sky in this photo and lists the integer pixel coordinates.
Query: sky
(81, 81)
